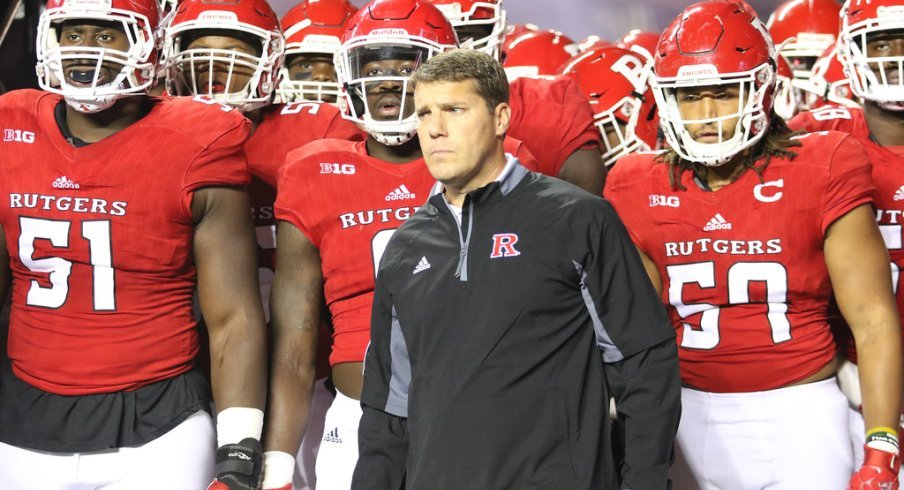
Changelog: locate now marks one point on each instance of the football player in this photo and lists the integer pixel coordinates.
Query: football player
(536, 54)
(231, 52)
(312, 32)
(828, 83)
(551, 117)
(616, 85)
(871, 46)
(338, 204)
(748, 231)
(639, 41)
(118, 206)
(802, 30)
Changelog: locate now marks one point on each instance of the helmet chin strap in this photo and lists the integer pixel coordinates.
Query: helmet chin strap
(891, 106)
(391, 139)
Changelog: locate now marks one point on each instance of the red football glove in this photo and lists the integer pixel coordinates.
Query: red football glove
(217, 485)
(287, 487)
(879, 471)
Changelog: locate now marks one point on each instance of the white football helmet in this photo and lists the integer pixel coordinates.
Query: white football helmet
(92, 79)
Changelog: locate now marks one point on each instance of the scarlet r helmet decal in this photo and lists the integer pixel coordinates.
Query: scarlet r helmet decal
(504, 245)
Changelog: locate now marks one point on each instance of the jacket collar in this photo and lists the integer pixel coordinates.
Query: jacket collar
(511, 176)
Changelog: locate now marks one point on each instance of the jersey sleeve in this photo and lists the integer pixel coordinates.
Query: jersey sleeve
(555, 122)
(383, 432)
(619, 193)
(628, 314)
(221, 162)
(342, 129)
(520, 151)
(826, 118)
(849, 182)
(290, 193)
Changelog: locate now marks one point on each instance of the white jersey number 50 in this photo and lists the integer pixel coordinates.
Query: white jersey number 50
(740, 276)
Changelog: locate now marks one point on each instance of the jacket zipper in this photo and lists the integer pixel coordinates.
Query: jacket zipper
(461, 271)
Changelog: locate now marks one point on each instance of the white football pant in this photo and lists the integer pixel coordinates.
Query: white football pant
(305, 476)
(181, 459)
(338, 453)
(785, 439)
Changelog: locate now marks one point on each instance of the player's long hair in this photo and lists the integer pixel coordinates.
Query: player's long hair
(775, 143)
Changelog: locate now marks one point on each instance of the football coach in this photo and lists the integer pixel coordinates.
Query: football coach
(507, 311)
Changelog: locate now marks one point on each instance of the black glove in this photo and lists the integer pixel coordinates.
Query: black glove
(239, 466)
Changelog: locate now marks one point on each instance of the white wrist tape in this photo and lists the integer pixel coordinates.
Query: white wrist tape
(237, 423)
(279, 469)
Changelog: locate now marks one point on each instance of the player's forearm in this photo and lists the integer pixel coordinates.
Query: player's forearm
(880, 364)
(291, 389)
(238, 361)
(585, 169)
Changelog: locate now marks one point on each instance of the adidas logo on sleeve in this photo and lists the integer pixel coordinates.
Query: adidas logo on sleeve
(421, 266)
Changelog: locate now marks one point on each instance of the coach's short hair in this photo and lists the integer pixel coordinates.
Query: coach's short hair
(460, 65)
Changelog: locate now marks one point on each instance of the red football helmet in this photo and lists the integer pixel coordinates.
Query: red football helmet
(313, 27)
(787, 97)
(167, 11)
(829, 83)
(615, 81)
(106, 75)
(480, 21)
(715, 43)
(217, 73)
(405, 31)
(535, 54)
(746, 7)
(876, 78)
(589, 43)
(637, 40)
(803, 29)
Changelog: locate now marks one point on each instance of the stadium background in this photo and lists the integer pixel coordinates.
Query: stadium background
(608, 19)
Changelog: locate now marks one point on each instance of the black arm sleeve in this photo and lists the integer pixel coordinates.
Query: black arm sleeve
(647, 392)
(640, 357)
(382, 441)
(383, 431)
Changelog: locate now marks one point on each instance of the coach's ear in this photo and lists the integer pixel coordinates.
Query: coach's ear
(503, 115)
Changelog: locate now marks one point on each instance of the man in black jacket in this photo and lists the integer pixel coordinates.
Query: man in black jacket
(506, 310)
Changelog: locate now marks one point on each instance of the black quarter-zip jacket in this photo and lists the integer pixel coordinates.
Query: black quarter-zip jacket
(496, 342)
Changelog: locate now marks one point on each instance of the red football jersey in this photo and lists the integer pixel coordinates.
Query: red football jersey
(286, 127)
(554, 120)
(887, 163)
(100, 240)
(832, 118)
(349, 204)
(283, 128)
(743, 270)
